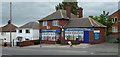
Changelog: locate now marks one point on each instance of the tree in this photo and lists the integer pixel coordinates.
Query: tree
(105, 20)
(74, 7)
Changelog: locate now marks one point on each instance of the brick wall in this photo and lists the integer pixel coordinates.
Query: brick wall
(61, 23)
(102, 36)
(117, 24)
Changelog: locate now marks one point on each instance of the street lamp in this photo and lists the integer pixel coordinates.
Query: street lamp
(40, 37)
(10, 24)
(61, 32)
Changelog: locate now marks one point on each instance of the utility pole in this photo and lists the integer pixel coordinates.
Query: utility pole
(10, 24)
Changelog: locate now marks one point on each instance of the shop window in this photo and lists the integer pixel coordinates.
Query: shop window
(55, 23)
(20, 31)
(74, 35)
(96, 35)
(114, 29)
(115, 19)
(50, 36)
(44, 23)
(27, 31)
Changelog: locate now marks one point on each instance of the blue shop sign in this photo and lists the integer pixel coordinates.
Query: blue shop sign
(84, 29)
(50, 30)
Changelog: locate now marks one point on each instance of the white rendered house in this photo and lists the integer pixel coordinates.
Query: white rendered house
(5, 32)
(29, 31)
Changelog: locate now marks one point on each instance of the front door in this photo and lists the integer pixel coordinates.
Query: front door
(86, 37)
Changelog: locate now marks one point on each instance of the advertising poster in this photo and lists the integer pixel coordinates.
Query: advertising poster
(96, 35)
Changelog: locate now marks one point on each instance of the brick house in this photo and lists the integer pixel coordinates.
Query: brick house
(116, 18)
(63, 26)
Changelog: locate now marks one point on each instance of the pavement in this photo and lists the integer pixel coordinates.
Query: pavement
(82, 45)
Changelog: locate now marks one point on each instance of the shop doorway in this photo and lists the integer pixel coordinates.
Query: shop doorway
(86, 36)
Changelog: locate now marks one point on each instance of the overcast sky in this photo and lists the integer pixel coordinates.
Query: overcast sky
(24, 12)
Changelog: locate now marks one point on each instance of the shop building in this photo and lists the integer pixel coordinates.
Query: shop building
(50, 26)
(85, 30)
(63, 26)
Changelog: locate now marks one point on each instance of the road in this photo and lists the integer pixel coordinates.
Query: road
(93, 50)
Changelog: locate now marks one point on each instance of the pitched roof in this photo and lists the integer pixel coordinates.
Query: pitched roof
(33, 25)
(60, 14)
(115, 12)
(8, 28)
(82, 22)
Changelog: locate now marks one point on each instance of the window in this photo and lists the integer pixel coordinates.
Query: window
(20, 31)
(114, 19)
(74, 35)
(27, 39)
(55, 22)
(3, 33)
(96, 35)
(50, 36)
(27, 31)
(19, 38)
(44, 23)
(114, 29)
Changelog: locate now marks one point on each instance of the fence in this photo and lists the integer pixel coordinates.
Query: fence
(113, 38)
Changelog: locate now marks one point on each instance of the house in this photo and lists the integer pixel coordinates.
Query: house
(5, 32)
(116, 18)
(63, 26)
(29, 31)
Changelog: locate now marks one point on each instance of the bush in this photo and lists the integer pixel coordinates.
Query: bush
(117, 40)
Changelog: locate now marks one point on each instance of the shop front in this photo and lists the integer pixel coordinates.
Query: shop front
(78, 35)
(50, 36)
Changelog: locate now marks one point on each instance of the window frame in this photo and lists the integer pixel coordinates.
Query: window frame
(44, 23)
(27, 30)
(55, 23)
(20, 30)
(3, 33)
(114, 29)
(115, 19)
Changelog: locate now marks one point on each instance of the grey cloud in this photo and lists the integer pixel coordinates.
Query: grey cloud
(24, 12)
(96, 8)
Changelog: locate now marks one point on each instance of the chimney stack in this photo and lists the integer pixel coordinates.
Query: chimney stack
(68, 10)
(9, 21)
(80, 12)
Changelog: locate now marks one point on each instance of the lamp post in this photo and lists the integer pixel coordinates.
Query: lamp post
(10, 24)
(40, 37)
(61, 32)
